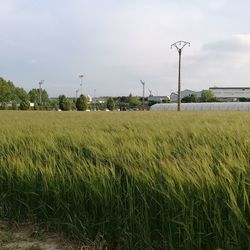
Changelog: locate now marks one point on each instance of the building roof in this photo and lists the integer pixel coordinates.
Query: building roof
(230, 88)
(206, 106)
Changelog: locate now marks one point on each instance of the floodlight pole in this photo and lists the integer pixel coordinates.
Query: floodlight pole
(143, 94)
(77, 93)
(179, 46)
(81, 77)
(95, 99)
(40, 90)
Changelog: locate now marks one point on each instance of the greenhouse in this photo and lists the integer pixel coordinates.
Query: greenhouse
(208, 106)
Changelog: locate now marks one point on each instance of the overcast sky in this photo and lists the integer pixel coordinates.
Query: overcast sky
(115, 43)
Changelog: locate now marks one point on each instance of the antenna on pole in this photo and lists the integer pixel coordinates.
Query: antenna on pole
(40, 90)
(143, 94)
(180, 45)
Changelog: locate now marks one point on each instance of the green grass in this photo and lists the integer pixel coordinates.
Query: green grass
(136, 180)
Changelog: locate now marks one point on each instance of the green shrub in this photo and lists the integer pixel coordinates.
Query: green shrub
(25, 105)
(82, 103)
(14, 105)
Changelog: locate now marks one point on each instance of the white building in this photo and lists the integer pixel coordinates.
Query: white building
(231, 93)
(9, 104)
(184, 93)
(89, 98)
(206, 106)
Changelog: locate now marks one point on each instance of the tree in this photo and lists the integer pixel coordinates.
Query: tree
(34, 96)
(20, 94)
(207, 96)
(73, 105)
(64, 103)
(188, 99)
(61, 100)
(8, 92)
(100, 106)
(165, 100)
(110, 104)
(82, 103)
(4, 106)
(244, 99)
(123, 102)
(134, 102)
(54, 104)
(25, 104)
(14, 105)
(124, 99)
(36, 106)
(67, 105)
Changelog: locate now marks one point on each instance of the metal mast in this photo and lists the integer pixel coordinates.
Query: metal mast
(77, 91)
(143, 94)
(94, 99)
(81, 77)
(40, 91)
(180, 45)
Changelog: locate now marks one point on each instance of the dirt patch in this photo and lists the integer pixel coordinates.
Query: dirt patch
(27, 237)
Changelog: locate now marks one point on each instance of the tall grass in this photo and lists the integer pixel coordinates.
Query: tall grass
(135, 180)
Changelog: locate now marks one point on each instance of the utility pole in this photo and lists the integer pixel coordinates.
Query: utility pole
(143, 94)
(179, 46)
(40, 90)
(81, 77)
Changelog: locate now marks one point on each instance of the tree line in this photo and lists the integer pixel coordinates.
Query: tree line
(111, 103)
(12, 97)
(206, 96)
(18, 97)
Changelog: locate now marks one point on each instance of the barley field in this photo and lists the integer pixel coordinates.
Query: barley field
(132, 180)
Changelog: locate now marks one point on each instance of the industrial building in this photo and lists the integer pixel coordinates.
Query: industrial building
(158, 99)
(208, 106)
(223, 94)
(230, 93)
(184, 93)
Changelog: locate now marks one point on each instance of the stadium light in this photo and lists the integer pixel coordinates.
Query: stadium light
(81, 77)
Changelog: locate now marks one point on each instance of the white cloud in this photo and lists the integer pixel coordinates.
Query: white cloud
(221, 63)
(117, 43)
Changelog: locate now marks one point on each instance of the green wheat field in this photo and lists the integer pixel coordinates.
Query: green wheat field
(132, 180)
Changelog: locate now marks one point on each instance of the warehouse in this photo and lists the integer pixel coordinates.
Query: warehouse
(231, 93)
(208, 106)
(184, 93)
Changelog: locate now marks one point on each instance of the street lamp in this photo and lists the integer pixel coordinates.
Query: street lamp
(81, 77)
(40, 90)
(94, 99)
(143, 94)
(179, 46)
(77, 91)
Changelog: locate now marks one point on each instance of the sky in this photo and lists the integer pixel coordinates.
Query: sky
(117, 43)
